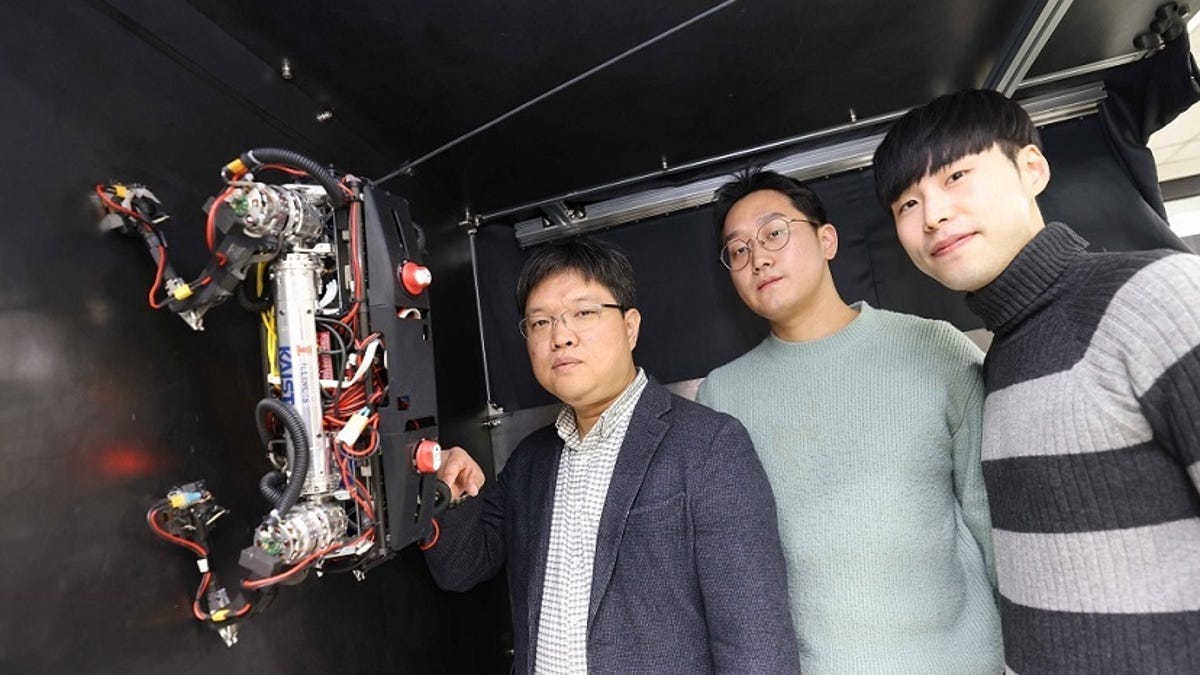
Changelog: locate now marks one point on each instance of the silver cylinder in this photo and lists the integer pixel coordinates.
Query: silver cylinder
(306, 528)
(296, 279)
(278, 210)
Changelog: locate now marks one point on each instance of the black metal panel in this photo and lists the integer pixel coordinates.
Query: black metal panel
(1092, 31)
(409, 415)
(751, 73)
(109, 403)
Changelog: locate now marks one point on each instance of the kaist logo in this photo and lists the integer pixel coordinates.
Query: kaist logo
(285, 375)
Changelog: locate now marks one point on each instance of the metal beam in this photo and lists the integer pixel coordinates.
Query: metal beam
(1085, 69)
(633, 181)
(1040, 21)
(806, 165)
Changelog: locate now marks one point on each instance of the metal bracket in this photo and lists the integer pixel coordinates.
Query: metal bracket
(470, 221)
(494, 417)
(229, 634)
(558, 214)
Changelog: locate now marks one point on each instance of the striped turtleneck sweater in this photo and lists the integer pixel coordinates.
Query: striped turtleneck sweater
(1091, 455)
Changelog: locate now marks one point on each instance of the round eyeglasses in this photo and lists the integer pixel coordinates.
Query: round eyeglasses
(771, 236)
(579, 318)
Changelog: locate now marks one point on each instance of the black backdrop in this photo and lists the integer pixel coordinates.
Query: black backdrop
(1103, 183)
(107, 404)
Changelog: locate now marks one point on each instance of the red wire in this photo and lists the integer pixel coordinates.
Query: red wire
(361, 496)
(205, 579)
(117, 207)
(351, 317)
(358, 454)
(256, 584)
(297, 172)
(437, 532)
(210, 227)
(152, 520)
(186, 543)
(351, 400)
(357, 490)
(158, 275)
(199, 613)
(283, 168)
(162, 250)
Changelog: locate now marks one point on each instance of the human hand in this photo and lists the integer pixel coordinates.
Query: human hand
(461, 473)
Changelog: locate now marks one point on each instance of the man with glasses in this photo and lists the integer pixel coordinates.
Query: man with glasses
(868, 425)
(639, 530)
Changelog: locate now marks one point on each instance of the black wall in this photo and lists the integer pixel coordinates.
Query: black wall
(107, 404)
(1104, 185)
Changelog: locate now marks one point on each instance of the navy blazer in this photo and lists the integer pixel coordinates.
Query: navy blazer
(689, 573)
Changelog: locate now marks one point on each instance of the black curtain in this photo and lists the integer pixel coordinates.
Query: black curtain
(1103, 184)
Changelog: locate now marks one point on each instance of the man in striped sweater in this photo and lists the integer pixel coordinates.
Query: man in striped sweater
(1091, 449)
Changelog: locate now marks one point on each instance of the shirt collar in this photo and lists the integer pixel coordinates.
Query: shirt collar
(611, 419)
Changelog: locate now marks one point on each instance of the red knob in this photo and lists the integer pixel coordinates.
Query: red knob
(428, 456)
(415, 278)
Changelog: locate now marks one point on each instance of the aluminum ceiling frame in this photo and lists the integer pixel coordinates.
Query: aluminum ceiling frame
(1041, 19)
(806, 165)
(560, 219)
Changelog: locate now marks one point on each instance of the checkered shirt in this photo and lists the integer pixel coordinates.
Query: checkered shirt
(584, 473)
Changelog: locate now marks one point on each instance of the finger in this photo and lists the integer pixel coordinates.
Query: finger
(476, 481)
(472, 480)
(454, 461)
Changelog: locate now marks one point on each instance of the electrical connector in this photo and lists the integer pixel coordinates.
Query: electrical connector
(182, 292)
(260, 563)
(236, 167)
(354, 427)
(179, 498)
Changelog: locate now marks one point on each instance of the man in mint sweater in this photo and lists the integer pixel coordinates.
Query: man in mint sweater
(868, 425)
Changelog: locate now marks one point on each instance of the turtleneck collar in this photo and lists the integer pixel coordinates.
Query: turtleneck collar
(1029, 283)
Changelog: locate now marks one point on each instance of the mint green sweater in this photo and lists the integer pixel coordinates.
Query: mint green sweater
(870, 438)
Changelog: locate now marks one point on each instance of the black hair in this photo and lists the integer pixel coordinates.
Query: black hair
(753, 179)
(593, 260)
(945, 130)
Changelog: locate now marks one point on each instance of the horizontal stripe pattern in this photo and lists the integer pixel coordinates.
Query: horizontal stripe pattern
(1087, 408)
(1171, 405)
(1091, 446)
(1080, 303)
(1129, 487)
(1064, 413)
(1152, 322)
(1148, 569)
(1067, 643)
